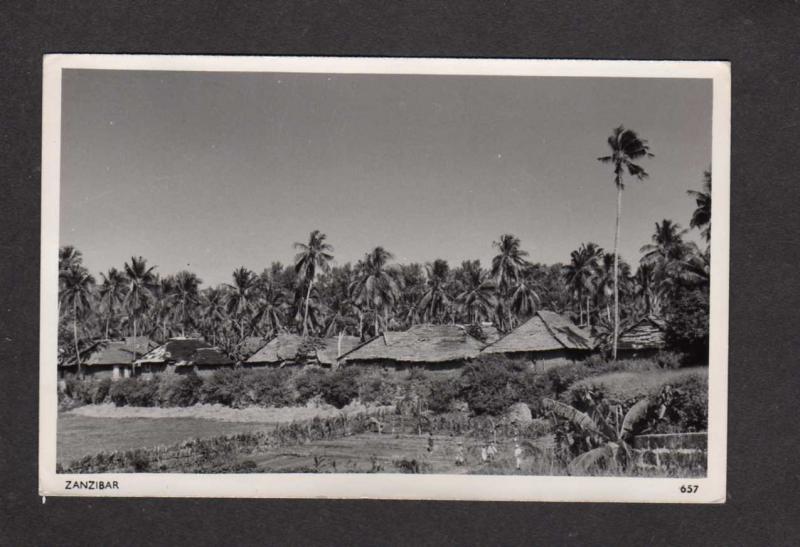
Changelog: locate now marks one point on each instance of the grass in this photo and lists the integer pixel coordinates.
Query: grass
(80, 436)
(627, 385)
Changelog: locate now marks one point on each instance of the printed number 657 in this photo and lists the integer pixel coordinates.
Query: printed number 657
(689, 488)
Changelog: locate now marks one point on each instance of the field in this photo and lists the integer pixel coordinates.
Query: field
(81, 435)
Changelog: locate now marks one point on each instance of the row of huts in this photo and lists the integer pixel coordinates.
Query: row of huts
(545, 340)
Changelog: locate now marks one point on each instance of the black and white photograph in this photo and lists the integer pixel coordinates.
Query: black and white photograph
(384, 277)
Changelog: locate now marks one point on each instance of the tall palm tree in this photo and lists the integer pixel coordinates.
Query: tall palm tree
(271, 305)
(312, 256)
(68, 257)
(187, 294)
(626, 148)
(242, 295)
(507, 267)
(476, 292)
(112, 293)
(377, 285)
(76, 295)
(435, 302)
(141, 284)
(701, 217)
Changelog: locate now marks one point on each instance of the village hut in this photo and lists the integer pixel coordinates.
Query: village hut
(287, 350)
(642, 339)
(432, 347)
(181, 356)
(547, 339)
(113, 358)
(250, 345)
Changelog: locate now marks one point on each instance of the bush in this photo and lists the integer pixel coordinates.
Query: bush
(486, 384)
(378, 388)
(559, 379)
(442, 393)
(687, 323)
(668, 359)
(227, 386)
(179, 390)
(308, 384)
(270, 387)
(687, 409)
(99, 390)
(135, 391)
(340, 388)
(595, 361)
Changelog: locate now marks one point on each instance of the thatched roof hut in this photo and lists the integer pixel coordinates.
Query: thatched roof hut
(646, 335)
(118, 352)
(546, 335)
(420, 344)
(182, 355)
(287, 349)
(114, 357)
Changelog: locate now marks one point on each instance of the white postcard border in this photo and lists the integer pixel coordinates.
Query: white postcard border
(711, 489)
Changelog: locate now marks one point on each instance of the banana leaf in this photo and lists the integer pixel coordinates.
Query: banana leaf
(576, 417)
(636, 414)
(603, 456)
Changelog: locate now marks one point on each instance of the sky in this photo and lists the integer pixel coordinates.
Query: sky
(212, 171)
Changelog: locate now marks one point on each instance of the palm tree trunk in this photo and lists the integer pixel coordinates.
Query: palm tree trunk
(305, 316)
(588, 316)
(108, 320)
(75, 334)
(616, 269)
(134, 343)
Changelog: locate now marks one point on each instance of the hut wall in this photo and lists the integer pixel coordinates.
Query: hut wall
(99, 371)
(542, 361)
(443, 368)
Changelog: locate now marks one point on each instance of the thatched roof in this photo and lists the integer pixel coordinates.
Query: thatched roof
(285, 347)
(251, 345)
(118, 352)
(647, 333)
(186, 352)
(329, 354)
(419, 344)
(545, 331)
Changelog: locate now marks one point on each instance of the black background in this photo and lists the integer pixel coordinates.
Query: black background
(761, 41)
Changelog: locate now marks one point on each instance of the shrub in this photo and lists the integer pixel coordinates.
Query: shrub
(179, 390)
(668, 359)
(270, 387)
(135, 391)
(559, 379)
(226, 386)
(99, 390)
(378, 388)
(595, 361)
(78, 389)
(486, 384)
(308, 384)
(340, 388)
(442, 393)
(687, 409)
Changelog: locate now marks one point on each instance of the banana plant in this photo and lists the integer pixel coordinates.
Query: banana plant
(606, 428)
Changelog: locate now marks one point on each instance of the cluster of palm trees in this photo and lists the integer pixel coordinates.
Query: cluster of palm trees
(314, 297)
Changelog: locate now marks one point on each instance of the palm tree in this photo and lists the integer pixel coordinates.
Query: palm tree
(271, 306)
(667, 243)
(581, 275)
(241, 296)
(76, 294)
(476, 296)
(524, 300)
(68, 257)
(112, 293)
(435, 301)
(507, 267)
(626, 147)
(314, 255)
(186, 290)
(141, 284)
(377, 285)
(701, 217)
(213, 310)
